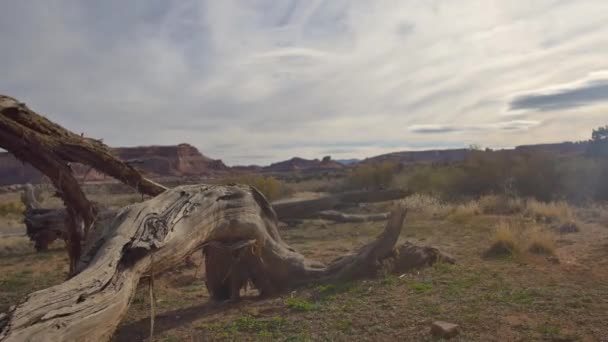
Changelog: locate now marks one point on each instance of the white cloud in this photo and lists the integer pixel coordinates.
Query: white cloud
(258, 81)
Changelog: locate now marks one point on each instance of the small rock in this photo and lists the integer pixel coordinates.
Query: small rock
(444, 329)
(553, 259)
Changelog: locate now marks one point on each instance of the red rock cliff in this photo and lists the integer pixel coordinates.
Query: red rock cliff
(155, 161)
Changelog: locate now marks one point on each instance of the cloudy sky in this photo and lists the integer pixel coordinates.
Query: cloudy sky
(256, 81)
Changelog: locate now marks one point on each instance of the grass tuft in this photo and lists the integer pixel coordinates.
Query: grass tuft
(504, 242)
(550, 212)
(540, 242)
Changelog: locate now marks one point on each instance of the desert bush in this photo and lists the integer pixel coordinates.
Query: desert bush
(439, 181)
(373, 175)
(511, 174)
(500, 205)
(540, 242)
(13, 208)
(560, 212)
(504, 241)
(272, 188)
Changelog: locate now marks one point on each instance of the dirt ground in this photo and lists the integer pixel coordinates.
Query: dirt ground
(523, 297)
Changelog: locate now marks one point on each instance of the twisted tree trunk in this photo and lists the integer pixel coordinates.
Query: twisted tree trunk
(156, 235)
(234, 225)
(51, 148)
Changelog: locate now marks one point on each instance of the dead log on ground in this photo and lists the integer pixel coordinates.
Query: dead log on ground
(310, 208)
(336, 216)
(235, 226)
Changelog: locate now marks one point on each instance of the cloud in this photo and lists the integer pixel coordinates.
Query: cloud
(259, 81)
(588, 91)
(515, 125)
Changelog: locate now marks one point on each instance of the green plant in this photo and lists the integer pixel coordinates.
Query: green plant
(421, 288)
(301, 305)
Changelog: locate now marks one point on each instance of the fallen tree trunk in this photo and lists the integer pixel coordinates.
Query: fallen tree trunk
(46, 225)
(235, 226)
(333, 215)
(293, 210)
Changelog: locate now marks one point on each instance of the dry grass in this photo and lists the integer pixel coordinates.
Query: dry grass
(12, 208)
(463, 213)
(426, 204)
(500, 205)
(540, 241)
(559, 212)
(10, 245)
(504, 241)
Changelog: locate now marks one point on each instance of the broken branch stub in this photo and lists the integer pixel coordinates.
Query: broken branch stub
(234, 224)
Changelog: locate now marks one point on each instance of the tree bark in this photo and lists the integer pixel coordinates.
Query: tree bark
(234, 225)
(51, 148)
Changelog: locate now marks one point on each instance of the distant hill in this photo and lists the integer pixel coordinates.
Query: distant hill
(348, 161)
(154, 161)
(301, 164)
(565, 149)
(185, 160)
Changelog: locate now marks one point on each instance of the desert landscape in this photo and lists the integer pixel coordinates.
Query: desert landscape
(512, 246)
(303, 170)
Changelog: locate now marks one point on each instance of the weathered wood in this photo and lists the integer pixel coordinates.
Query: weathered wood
(156, 235)
(333, 215)
(51, 148)
(293, 210)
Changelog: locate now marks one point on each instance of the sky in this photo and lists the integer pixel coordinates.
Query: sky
(258, 81)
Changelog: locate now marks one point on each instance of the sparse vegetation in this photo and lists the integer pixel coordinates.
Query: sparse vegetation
(299, 304)
(559, 212)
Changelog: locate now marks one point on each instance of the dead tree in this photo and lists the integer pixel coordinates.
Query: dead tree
(51, 148)
(234, 225)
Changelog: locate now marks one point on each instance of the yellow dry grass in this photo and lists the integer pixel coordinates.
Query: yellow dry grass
(550, 211)
(540, 241)
(500, 205)
(504, 241)
(426, 204)
(463, 213)
(15, 244)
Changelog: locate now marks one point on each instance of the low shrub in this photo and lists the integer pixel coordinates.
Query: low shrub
(373, 175)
